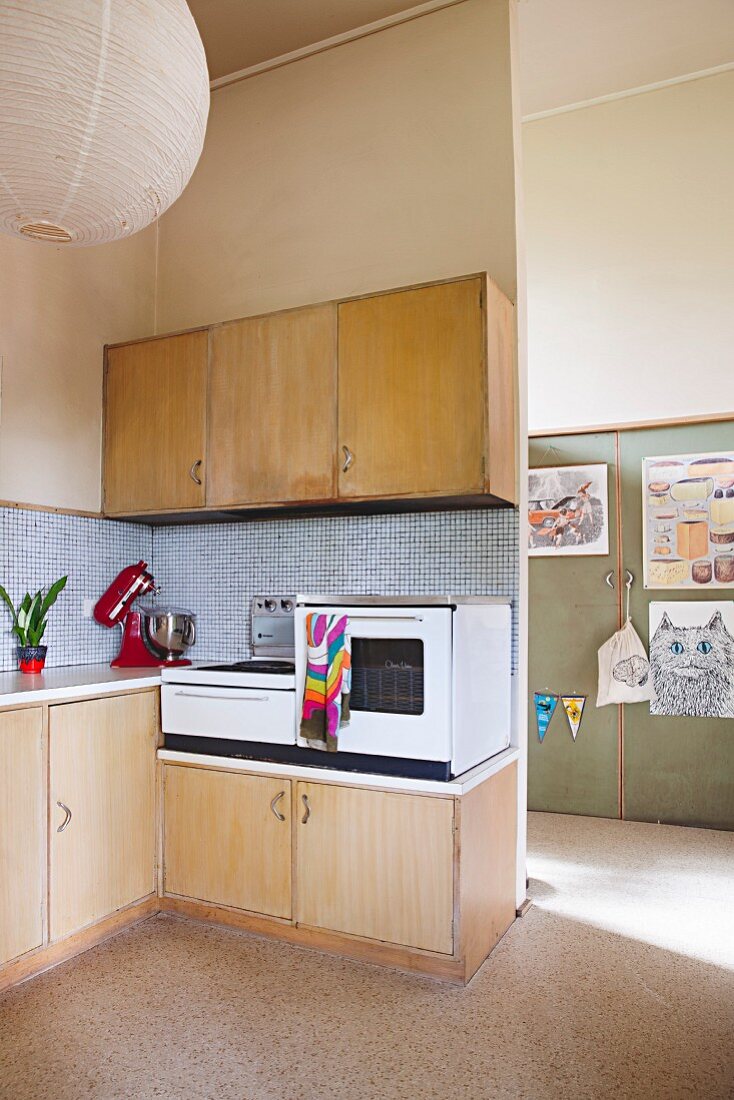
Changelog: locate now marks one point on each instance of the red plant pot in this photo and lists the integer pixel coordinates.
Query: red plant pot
(31, 658)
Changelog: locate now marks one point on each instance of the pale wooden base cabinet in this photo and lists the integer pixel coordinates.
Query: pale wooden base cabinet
(228, 839)
(421, 882)
(77, 826)
(102, 792)
(96, 834)
(22, 841)
(377, 864)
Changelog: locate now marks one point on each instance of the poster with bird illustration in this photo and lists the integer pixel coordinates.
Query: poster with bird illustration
(568, 510)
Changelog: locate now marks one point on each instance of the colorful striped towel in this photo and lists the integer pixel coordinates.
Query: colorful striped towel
(328, 680)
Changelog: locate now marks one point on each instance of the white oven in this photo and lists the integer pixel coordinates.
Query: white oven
(430, 676)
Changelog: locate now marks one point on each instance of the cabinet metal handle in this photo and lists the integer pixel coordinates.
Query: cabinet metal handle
(304, 800)
(67, 819)
(348, 459)
(609, 579)
(194, 471)
(274, 803)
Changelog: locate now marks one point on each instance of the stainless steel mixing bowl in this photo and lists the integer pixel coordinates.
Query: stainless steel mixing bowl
(168, 631)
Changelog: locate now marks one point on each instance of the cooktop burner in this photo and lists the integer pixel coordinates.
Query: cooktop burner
(284, 668)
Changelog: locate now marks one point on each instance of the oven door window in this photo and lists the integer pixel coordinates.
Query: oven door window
(387, 675)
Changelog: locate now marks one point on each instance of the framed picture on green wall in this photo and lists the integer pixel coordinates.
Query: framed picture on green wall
(688, 520)
(568, 510)
(692, 658)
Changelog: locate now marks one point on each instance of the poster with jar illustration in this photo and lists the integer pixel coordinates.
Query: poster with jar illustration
(688, 520)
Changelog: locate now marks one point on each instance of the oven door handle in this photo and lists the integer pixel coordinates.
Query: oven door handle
(235, 694)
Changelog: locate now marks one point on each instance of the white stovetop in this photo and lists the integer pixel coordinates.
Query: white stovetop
(72, 682)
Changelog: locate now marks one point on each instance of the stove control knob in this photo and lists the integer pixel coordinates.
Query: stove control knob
(287, 605)
(270, 605)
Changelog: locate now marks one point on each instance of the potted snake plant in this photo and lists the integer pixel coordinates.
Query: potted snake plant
(29, 624)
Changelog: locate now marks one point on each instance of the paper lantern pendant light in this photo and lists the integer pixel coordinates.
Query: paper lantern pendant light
(103, 108)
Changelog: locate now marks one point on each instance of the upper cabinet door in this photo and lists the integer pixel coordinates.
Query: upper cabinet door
(272, 409)
(155, 425)
(412, 392)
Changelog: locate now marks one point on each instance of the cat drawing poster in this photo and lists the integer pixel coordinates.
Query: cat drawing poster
(692, 659)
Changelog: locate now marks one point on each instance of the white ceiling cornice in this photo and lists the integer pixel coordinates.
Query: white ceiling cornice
(406, 16)
(629, 92)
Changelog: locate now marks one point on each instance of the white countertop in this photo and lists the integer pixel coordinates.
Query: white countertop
(459, 786)
(55, 685)
(72, 682)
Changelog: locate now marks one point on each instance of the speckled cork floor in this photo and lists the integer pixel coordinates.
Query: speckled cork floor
(618, 983)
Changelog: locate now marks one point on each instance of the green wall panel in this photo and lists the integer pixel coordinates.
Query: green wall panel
(572, 612)
(676, 770)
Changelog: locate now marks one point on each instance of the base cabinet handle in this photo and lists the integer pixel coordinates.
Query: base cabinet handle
(67, 819)
(274, 805)
(307, 809)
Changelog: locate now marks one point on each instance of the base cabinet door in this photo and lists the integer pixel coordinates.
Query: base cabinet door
(102, 792)
(22, 828)
(376, 864)
(228, 839)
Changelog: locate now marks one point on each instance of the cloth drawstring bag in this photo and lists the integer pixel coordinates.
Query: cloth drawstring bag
(624, 668)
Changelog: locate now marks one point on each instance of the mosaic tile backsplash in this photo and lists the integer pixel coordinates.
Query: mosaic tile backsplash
(38, 547)
(216, 569)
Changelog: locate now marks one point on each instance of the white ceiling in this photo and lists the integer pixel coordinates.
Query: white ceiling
(570, 50)
(574, 50)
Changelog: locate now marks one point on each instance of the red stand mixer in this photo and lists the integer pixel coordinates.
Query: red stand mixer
(152, 637)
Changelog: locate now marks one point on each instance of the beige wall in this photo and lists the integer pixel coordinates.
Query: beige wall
(57, 310)
(383, 162)
(380, 163)
(630, 257)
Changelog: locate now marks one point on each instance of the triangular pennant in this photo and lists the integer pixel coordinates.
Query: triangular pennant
(574, 708)
(545, 705)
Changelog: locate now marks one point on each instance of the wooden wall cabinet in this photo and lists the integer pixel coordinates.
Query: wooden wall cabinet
(103, 808)
(272, 409)
(22, 832)
(155, 425)
(412, 393)
(403, 396)
(228, 839)
(427, 393)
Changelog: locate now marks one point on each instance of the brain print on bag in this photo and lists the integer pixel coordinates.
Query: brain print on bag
(633, 671)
